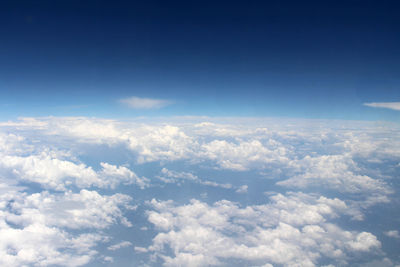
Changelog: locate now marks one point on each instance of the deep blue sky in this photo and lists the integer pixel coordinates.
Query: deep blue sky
(314, 59)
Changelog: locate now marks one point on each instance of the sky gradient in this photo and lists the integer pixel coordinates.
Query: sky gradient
(307, 59)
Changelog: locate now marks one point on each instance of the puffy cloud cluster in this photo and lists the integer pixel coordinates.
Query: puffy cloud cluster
(291, 230)
(59, 191)
(35, 228)
(243, 155)
(41, 245)
(43, 227)
(259, 144)
(338, 172)
(86, 209)
(55, 173)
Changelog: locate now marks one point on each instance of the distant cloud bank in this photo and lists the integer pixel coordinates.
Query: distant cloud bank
(389, 105)
(145, 103)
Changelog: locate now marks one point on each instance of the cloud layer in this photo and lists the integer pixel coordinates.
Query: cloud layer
(196, 191)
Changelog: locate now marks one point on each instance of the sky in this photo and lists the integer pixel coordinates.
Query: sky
(199, 133)
(305, 59)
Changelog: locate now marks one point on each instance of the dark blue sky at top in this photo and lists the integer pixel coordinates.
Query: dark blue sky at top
(317, 59)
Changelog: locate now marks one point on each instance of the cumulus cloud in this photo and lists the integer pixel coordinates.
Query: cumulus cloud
(145, 103)
(334, 172)
(236, 146)
(27, 220)
(86, 209)
(327, 155)
(388, 105)
(60, 177)
(40, 245)
(55, 173)
(242, 155)
(293, 230)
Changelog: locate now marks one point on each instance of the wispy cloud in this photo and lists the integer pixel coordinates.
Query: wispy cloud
(393, 233)
(122, 244)
(145, 103)
(389, 105)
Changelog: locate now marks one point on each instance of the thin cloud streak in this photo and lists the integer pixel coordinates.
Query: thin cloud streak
(388, 105)
(145, 103)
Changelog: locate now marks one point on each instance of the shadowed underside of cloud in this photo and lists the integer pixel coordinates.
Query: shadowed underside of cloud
(388, 105)
(145, 103)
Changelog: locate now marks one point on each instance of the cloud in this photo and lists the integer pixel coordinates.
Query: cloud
(170, 176)
(335, 157)
(393, 233)
(293, 230)
(388, 105)
(40, 245)
(55, 173)
(242, 189)
(334, 172)
(63, 224)
(145, 103)
(87, 161)
(83, 210)
(120, 245)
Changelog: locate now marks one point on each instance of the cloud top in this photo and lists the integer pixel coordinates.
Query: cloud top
(145, 103)
(389, 105)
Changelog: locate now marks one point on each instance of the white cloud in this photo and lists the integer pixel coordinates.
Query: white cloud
(145, 103)
(334, 172)
(170, 176)
(140, 249)
(242, 155)
(12, 144)
(355, 161)
(86, 209)
(123, 244)
(322, 153)
(292, 230)
(113, 175)
(40, 245)
(27, 220)
(48, 171)
(242, 189)
(393, 233)
(51, 172)
(388, 105)
(108, 259)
